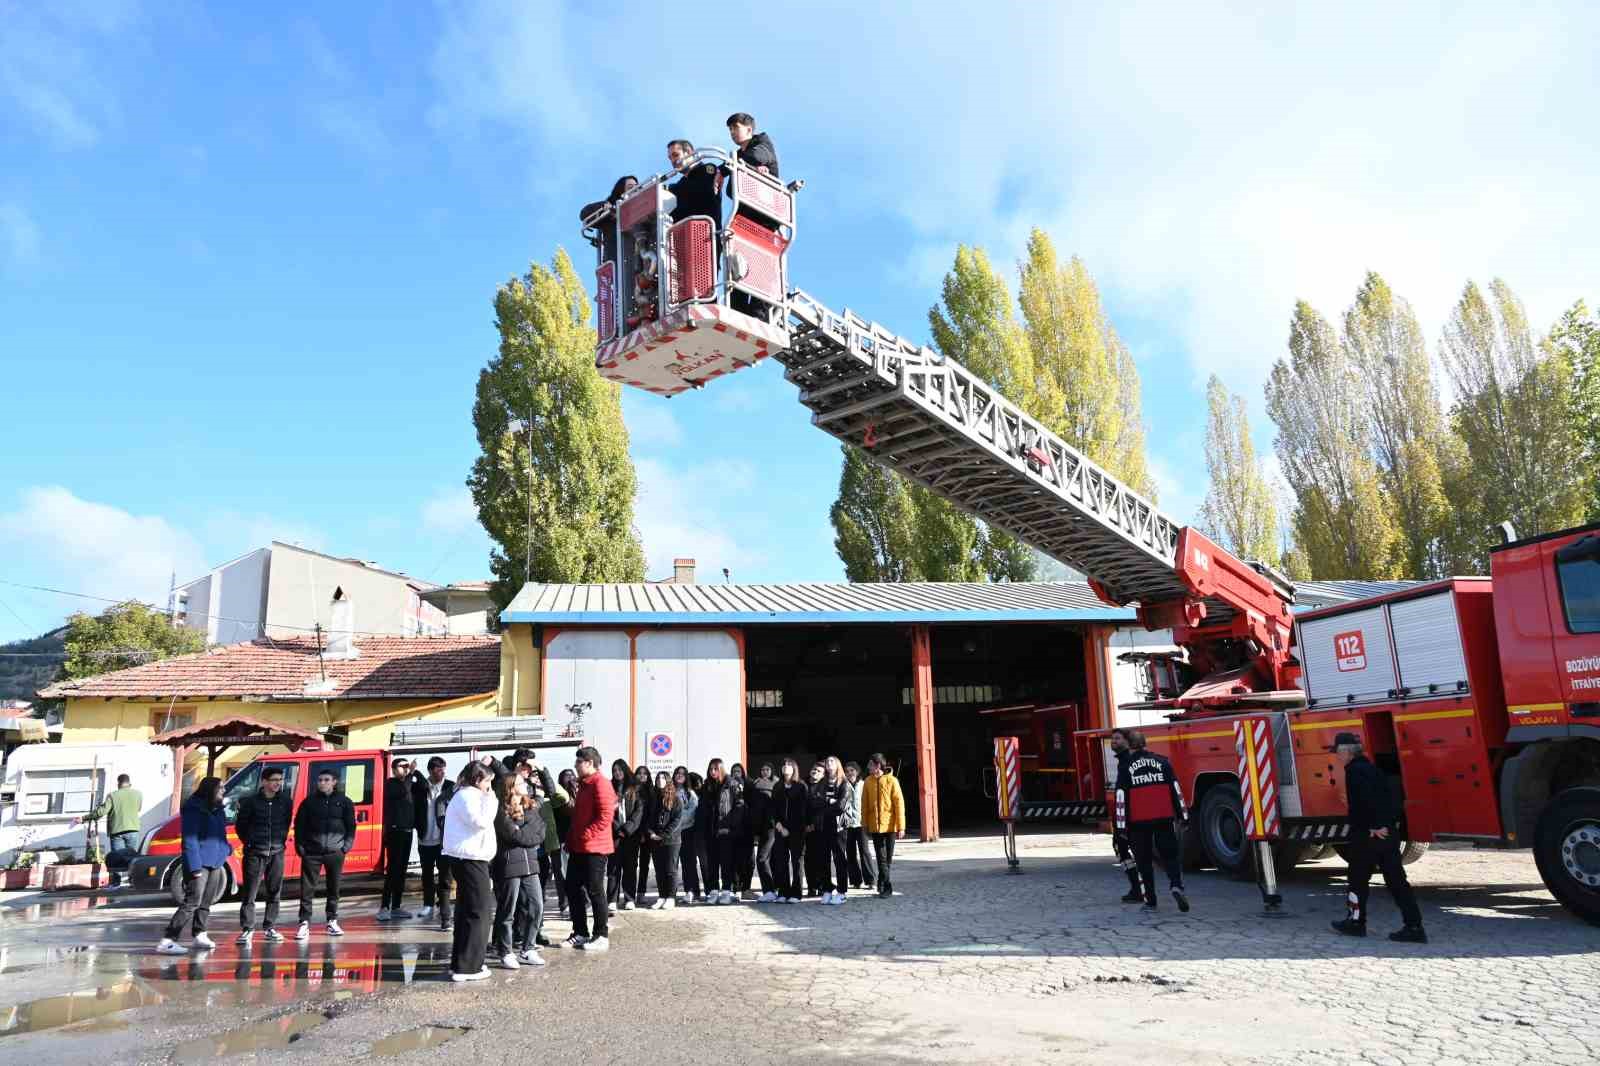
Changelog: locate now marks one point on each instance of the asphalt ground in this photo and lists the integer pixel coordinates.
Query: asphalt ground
(965, 963)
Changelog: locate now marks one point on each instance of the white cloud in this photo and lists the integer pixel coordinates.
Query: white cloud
(19, 236)
(450, 510)
(650, 424)
(684, 512)
(62, 540)
(50, 68)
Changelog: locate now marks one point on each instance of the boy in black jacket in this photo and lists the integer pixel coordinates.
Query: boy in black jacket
(262, 826)
(324, 833)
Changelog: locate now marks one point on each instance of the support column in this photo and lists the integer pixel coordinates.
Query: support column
(922, 708)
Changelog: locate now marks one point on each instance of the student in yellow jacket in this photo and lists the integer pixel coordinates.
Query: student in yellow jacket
(883, 816)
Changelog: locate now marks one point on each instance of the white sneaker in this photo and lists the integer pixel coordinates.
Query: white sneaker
(384, 914)
(598, 943)
(272, 936)
(481, 975)
(831, 898)
(304, 932)
(659, 904)
(531, 958)
(334, 929)
(204, 942)
(669, 905)
(627, 904)
(573, 941)
(245, 936)
(168, 946)
(425, 913)
(769, 897)
(509, 961)
(400, 915)
(840, 899)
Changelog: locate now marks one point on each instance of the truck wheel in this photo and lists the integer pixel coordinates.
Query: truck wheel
(1411, 851)
(1567, 848)
(1320, 851)
(1222, 832)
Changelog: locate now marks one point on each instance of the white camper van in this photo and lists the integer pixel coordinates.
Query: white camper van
(46, 786)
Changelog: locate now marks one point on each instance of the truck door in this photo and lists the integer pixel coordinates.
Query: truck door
(356, 778)
(1573, 576)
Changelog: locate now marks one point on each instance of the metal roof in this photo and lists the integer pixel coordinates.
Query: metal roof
(1325, 593)
(840, 603)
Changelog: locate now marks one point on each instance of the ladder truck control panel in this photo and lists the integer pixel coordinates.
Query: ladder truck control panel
(1479, 697)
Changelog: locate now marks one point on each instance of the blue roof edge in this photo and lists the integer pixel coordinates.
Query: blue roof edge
(690, 618)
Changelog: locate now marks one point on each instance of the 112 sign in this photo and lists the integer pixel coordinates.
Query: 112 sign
(1350, 649)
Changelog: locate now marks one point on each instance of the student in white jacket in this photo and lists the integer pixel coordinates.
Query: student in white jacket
(469, 842)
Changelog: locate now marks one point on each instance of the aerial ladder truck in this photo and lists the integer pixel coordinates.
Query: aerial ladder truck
(1479, 697)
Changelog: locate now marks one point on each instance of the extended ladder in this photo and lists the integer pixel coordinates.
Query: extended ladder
(930, 418)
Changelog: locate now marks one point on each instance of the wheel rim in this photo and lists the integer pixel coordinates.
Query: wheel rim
(1230, 833)
(1580, 854)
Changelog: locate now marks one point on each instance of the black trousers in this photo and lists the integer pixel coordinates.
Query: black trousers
(863, 867)
(629, 853)
(817, 880)
(788, 863)
(474, 915)
(724, 874)
(1124, 852)
(333, 864)
(1383, 856)
(586, 885)
(261, 871)
(518, 906)
(436, 879)
(396, 861)
(883, 850)
(744, 862)
(689, 858)
(766, 843)
(835, 842)
(665, 854)
(198, 888)
(613, 867)
(646, 848)
(1149, 839)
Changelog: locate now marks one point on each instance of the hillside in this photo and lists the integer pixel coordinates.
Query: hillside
(21, 677)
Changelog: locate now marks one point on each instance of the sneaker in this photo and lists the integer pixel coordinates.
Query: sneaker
(573, 941)
(481, 975)
(384, 914)
(769, 897)
(399, 915)
(840, 899)
(598, 943)
(1148, 908)
(509, 961)
(611, 910)
(446, 925)
(1350, 927)
(658, 905)
(333, 928)
(168, 946)
(245, 936)
(627, 904)
(530, 957)
(425, 913)
(789, 899)
(1182, 898)
(700, 897)
(304, 932)
(670, 904)
(1411, 934)
(204, 942)
(1133, 895)
(272, 936)
(540, 940)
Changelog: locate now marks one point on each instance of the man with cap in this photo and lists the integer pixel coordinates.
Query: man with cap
(1119, 839)
(1374, 842)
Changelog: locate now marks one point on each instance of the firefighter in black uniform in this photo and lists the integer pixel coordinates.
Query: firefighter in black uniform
(1119, 839)
(1374, 842)
(699, 190)
(1149, 801)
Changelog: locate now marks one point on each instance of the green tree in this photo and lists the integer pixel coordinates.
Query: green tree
(129, 634)
(1514, 410)
(1390, 359)
(1238, 511)
(1085, 387)
(1341, 518)
(1576, 337)
(554, 463)
(873, 520)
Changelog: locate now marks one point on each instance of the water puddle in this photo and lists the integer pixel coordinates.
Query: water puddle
(415, 1039)
(270, 1035)
(53, 1012)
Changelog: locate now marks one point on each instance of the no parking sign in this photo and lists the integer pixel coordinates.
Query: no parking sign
(659, 752)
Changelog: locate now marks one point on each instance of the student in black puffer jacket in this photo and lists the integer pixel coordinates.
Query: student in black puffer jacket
(636, 801)
(790, 816)
(664, 832)
(518, 896)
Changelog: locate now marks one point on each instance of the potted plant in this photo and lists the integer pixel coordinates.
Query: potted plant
(24, 872)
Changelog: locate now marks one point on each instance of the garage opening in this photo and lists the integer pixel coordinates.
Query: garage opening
(813, 691)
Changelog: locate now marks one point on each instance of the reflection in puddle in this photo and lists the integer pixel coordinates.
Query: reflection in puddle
(262, 1036)
(52, 1012)
(415, 1039)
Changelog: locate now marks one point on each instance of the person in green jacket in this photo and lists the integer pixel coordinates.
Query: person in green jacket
(124, 806)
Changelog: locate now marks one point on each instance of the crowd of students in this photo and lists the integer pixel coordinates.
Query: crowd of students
(492, 841)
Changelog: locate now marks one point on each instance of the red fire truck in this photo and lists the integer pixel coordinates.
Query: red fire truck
(1479, 696)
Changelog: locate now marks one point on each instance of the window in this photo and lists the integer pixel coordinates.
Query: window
(957, 694)
(765, 697)
(164, 719)
(60, 793)
(248, 780)
(354, 778)
(1578, 574)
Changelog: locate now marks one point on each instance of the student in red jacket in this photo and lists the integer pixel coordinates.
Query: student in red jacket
(589, 844)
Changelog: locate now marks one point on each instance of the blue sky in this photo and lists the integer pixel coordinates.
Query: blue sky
(246, 266)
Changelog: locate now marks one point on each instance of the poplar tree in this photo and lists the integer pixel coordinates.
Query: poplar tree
(1514, 410)
(1387, 352)
(1238, 511)
(1576, 337)
(1342, 520)
(554, 485)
